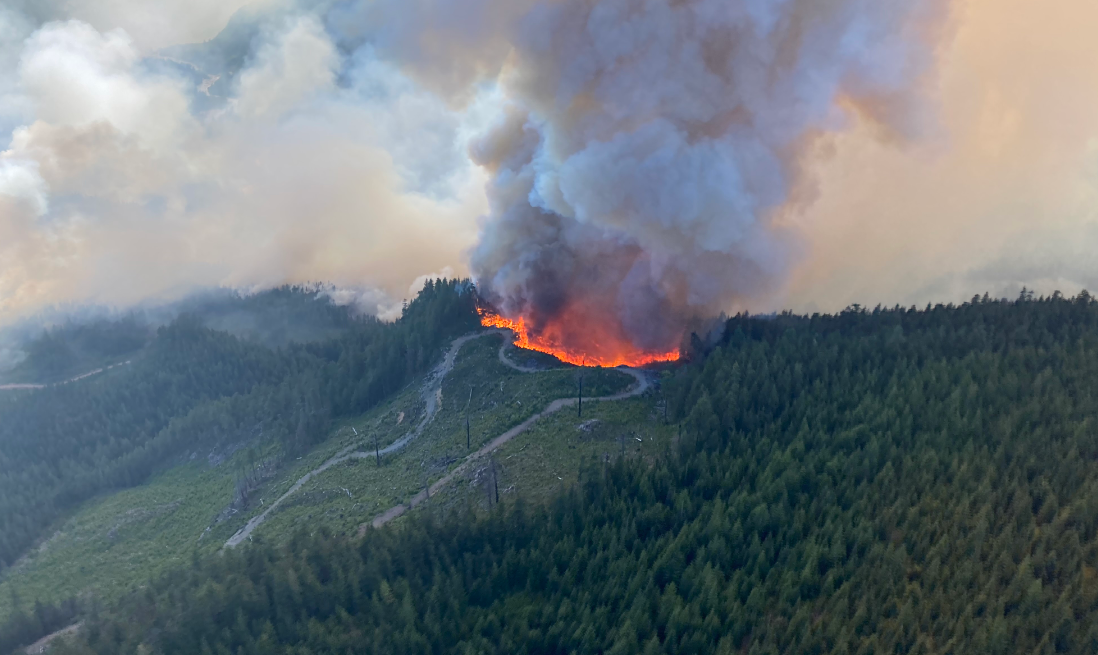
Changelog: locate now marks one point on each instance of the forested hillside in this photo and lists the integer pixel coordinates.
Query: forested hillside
(75, 348)
(887, 481)
(275, 317)
(52, 348)
(196, 388)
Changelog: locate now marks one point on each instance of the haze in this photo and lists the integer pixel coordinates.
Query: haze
(125, 177)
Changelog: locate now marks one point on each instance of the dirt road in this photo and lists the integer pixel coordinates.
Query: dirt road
(10, 387)
(639, 388)
(43, 644)
(432, 397)
(508, 339)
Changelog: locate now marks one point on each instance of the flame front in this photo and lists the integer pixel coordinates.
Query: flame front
(602, 351)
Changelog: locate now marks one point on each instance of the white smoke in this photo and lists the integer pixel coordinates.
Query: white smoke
(129, 176)
(21, 183)
(297, 67)
(641, 161)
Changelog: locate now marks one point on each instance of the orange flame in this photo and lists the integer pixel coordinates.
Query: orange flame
(606, 352)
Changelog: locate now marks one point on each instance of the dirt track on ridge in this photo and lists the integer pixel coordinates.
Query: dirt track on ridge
(394, 512)
(30, 385)
(432, 396)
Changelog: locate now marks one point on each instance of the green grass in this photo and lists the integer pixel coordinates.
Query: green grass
(114, 543)
(548, 457)
(495, 398)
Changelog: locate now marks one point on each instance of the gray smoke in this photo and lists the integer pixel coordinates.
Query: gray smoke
(639, 176)
(641, 160)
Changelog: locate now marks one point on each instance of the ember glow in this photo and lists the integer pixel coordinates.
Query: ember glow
(602, 347)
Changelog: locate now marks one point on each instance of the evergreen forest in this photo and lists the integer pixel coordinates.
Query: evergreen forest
(878, 481)
(192, 388)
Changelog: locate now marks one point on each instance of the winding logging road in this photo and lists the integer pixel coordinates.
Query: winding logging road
(432, 396)
(30, 385)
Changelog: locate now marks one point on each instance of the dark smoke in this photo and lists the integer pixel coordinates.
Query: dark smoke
(650, 147)
(647, 156)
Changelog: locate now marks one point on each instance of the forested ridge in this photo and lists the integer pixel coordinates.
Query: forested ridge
(61, 349)
(276, 317)
(194, 387)
(74, 348)
(900, 481)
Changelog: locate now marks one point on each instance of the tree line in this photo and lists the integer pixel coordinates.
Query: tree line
(896, 480)
(194, 387)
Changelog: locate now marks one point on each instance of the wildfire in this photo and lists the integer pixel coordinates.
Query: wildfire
(603, 351)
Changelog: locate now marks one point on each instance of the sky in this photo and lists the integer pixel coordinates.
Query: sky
(345, 143)
(1005, 193)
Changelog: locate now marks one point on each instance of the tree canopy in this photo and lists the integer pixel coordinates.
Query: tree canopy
(195, 387)
(886, 481)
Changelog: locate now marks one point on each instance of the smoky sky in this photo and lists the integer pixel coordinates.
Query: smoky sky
(642, 160)
(266, 153)
(652, 145)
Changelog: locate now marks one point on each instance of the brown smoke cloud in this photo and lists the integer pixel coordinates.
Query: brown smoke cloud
(1004, 195)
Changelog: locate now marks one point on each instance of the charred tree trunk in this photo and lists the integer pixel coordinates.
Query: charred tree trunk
(491, 484)
(579, 405)
(495, 480)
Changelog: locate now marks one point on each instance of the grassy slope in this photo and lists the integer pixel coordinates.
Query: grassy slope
(548, 457)
(114, 543)
(497, 399)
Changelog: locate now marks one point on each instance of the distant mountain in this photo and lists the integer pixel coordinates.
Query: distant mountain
(69, 344)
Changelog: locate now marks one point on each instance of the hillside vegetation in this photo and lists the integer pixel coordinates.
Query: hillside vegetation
(118, 541)
(76, 348)
(60, 350)
(901, 481)
(194, 389)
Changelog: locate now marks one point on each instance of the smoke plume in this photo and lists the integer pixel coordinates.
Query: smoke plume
(608, 170)
(649, 147)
